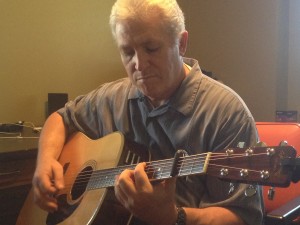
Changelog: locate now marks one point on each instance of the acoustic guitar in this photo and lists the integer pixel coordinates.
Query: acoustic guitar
(90, 167)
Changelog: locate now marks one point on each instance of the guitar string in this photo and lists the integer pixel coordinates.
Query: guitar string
(189, 160)
(118, 170)
(185, 161)
(104, 176)
(100, 175)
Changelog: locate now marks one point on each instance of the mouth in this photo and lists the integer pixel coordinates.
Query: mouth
(145, 77)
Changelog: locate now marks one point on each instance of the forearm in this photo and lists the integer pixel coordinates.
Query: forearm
(212, 216)
(52, 138)
(48, 176)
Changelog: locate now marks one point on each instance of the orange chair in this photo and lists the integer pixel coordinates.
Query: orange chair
(285, 206)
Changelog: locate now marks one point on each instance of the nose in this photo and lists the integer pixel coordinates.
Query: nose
(140, 61)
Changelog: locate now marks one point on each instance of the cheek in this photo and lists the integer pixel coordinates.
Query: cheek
(126, 65)
(130, 71)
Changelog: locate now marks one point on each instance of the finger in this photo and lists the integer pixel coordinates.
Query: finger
(51, 182)
(44, 192)
(44, 201)
(44, 184)
(142, 181)
(120, 195)
(124, 186)
(126, 182)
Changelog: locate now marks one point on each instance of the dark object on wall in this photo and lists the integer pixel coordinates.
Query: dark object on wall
(286, 116)
(56, 101)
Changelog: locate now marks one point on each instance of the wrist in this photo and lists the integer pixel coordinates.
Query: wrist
(181, 216)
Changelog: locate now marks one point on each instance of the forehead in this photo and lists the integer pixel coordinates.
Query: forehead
(140, 32)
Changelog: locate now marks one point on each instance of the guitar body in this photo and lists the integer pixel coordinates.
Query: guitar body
(77, 206)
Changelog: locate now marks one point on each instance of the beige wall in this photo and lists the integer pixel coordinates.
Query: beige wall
(252, 46)
(66, 46)
(52, 46)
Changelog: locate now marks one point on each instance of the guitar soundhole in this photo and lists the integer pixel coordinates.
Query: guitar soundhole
(81, 182)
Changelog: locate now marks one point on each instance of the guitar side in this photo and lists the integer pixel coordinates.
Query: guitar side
(80, 155)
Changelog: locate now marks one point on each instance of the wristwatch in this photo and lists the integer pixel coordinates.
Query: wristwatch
(181, 216)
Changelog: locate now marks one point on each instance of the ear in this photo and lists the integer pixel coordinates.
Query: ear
(183, 42)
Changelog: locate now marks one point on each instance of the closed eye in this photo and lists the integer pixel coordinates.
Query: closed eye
(152, 49)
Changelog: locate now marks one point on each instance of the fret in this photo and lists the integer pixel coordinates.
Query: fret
(189, 168)
(193, 165)
(105, 178)
(162, 169)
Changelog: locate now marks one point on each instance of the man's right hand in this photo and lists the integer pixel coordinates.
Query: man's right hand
(48, 176)
(47, 182)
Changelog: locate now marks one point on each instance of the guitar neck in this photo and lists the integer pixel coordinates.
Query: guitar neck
(258, 165)
(156, 170)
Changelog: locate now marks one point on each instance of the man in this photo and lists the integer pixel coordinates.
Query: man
(166, 103)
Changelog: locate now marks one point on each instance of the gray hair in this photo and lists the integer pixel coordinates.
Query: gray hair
(171, 15)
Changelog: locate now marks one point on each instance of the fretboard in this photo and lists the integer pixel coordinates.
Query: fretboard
(156, 170)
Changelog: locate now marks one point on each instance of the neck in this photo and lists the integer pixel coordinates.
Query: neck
(154, 103)
(158, 102)
(186, 68)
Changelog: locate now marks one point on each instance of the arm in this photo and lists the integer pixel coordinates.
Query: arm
(212, 215)
(48, 176)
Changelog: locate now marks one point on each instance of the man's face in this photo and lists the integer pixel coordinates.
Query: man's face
(151, 58)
